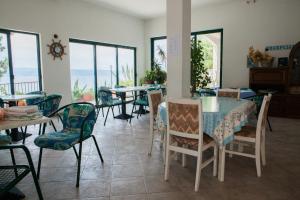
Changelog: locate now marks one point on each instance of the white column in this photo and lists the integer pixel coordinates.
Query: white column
(178, 48)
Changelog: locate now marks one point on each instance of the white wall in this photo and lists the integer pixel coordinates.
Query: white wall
(268, 22)
(70, 19)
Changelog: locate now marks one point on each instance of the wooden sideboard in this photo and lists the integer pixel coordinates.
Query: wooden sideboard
(283, 104)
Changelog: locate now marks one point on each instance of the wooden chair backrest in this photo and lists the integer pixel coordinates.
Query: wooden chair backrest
(232, 93)
(263, 115)
(184, 117)
(155, 97)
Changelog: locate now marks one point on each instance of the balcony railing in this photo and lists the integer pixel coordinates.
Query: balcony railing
(19, 88)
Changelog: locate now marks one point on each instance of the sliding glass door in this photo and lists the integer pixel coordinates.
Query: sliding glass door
(212, 44)
(126, 63)
(19, 62)
(82, 72)
(108, 65)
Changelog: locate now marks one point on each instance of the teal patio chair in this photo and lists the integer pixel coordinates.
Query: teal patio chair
(78, 121)
(106, 100)
(11, 175)
(141, 100)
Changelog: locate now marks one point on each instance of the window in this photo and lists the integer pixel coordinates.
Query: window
(95, 64)
(212, 43)
(20, 70)
(159, 52)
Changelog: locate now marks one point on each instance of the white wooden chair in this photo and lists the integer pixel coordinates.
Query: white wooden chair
(185, 135)
(155, 97)
(227, 92)
(255, 135)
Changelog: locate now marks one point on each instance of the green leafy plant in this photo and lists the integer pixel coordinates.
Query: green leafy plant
(199, 73)
(154, 75)
(78, 92)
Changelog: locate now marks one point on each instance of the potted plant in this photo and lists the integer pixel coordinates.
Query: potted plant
(199, 73)
(155, 75)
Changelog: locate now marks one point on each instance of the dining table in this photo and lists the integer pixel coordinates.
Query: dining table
(222, 117)
(122, 91)
(12, 100)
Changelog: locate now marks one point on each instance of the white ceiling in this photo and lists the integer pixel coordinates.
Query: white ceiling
(146, 9)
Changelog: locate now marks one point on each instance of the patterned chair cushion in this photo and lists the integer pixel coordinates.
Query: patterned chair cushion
(73, 117)
(57, 140)
(4, 139)
(247, 131)
(191, 143)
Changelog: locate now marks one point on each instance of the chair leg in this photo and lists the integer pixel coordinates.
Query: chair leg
(119, 109)
(112, 109)
(13, 161)
(269, 124)
(52, 124)
(79, 164)
(198, 169)
(231, 149)
(23, 134)
(106, 115)
(215, 169)
(133, 107)
(98, 149)
(39, 163)
(183, 160)
(263, 149)
(76, 154)
(139, 111)
(257, 162)
(34, 175)
(102, 111)
(151, 138)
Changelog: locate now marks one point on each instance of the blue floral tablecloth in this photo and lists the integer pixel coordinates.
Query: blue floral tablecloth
(222, 117)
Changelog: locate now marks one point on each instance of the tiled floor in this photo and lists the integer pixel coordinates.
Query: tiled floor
(129, 174)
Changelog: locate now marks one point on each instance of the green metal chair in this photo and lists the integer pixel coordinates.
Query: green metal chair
(13, 174)
(141, 101)
(78, 123)
(105, 100)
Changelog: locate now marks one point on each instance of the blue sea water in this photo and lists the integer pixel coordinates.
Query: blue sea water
(85, 77)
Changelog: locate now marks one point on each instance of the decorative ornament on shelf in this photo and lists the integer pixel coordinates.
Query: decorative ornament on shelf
(56, 49)
(257, 58)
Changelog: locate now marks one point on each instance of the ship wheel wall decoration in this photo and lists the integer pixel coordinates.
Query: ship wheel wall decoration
(56, 49)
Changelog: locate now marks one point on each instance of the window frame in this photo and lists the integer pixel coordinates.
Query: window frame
(95, 44)
(194, 34)
(8, 32)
